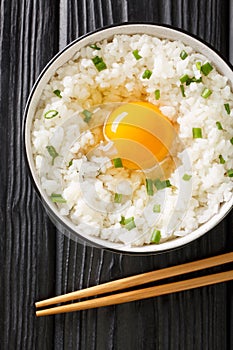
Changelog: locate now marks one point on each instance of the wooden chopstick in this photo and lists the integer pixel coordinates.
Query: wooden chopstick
(143, 278)
(141, 293)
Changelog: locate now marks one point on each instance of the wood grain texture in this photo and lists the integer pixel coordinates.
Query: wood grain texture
(27, 237)
(36, 261)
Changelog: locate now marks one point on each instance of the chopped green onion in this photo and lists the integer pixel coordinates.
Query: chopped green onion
(231, 140)
(101, 66)
(122, 222)
(99, 63)
(227, 108)
(128, 223)
(221, 159)
(219, 126)
(186, 177)
(136, 55)
(198, 65)
(117, 162)
(184, 78)
(51, 114)
(206, 68)
(168, 184)
(52, 152)
(206, 93)
(193, 80)
(156, 236)
(157, 94)
(87, 115)
(160, 185)
(57, 93)
(149, 187)
(197, 80)
(57, 198)
(94, 47)
(128, 220)
(182, 90)
(197, 133)
(183, 55)
(70, 163)
(230, 172)
(117, 197)
(147, 74)
(156, 208)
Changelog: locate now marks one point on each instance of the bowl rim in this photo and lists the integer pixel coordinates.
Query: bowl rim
(176, 243)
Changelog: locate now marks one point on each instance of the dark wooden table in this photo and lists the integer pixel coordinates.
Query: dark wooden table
(36, 261)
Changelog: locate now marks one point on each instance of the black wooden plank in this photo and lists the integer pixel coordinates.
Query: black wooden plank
(27, 236)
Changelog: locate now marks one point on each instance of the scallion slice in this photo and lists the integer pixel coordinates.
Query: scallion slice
(52, 152)
(156, 236)
(87, 115)
(182, 90)
(70, 163)
(183, 54)
(157, 94)
(193, 80)
(128, 220)
(156, 208)
(160, 185)
(186, 177)
(231, 140)
(184, 78)
(147, 74)
(57, 198)
(101, 66)
(206, 68)
(94, 47)
(221, 159)
(149, 187)
(227, 108)
(136, 55)
(117, 197)
(128, 223)
(99, 63)
(57, 93)
(230, 172)
(219, 126)
(122, 222)
(117, 162)
(51, 114)
(206, 93)
(198, 65)
(197, 133)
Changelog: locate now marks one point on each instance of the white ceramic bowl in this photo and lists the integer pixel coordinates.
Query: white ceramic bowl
(65, 225)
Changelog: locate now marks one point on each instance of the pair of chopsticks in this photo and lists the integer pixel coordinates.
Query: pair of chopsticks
(137, 280)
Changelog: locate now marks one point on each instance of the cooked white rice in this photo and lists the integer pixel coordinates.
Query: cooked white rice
(89, 192)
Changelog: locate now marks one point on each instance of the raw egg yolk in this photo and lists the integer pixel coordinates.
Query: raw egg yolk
(141, 134)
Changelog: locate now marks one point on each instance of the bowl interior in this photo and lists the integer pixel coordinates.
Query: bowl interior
(67, 54)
